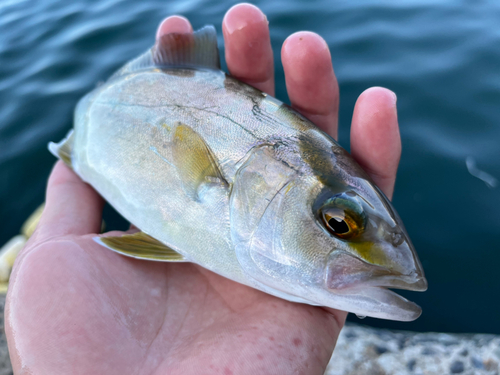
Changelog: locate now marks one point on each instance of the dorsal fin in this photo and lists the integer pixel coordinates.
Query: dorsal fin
(188, 50)
(196, 50)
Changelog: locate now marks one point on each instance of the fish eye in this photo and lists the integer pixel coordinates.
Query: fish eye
(339, 223)
(335, 222)
(342, 218)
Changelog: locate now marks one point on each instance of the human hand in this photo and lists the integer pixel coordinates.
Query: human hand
(74, 307)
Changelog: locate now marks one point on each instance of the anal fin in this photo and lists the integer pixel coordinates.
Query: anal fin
(141, 246)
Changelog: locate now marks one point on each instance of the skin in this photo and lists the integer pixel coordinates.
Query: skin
(74, 308)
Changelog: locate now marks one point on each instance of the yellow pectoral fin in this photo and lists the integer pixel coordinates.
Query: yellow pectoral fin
(141, 246)
(195, 162)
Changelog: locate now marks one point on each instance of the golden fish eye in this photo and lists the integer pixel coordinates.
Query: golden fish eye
(340, 223)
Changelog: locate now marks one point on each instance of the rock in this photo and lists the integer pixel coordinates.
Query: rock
(477, 363)
(491, 365)
(368, 351)
(411, 364)
(428, 351)
(5, 366)
(381, 349)
(457, 367)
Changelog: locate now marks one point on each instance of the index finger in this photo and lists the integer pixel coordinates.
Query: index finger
(249, 55)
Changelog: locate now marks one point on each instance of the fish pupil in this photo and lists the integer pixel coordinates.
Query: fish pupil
(338, 225)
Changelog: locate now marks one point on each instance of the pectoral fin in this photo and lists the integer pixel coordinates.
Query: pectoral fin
(195, 162)
(141, 246)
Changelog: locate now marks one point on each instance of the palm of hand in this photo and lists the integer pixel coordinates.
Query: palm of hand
(111, 314)
(74, 307)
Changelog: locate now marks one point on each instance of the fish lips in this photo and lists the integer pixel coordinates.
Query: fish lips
(345, 271)
(356, 280)
(347, 275)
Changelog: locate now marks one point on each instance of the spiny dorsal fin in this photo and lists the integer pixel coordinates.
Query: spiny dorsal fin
(195, 162)
(188, 50)
(196, 50)
(141, 246)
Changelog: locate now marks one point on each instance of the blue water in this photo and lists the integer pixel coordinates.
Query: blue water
(441, 57)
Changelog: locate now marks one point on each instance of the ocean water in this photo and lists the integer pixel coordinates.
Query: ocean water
(441, 57)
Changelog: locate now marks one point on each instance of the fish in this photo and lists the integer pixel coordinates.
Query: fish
(215, 172)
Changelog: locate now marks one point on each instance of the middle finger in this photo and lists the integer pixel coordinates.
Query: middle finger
(310, 80)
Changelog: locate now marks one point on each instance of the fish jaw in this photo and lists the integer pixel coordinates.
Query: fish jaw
(378, 302)
(350, 278)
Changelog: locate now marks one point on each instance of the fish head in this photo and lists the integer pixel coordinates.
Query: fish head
(370, 250)
(327, 235)
(370, 238)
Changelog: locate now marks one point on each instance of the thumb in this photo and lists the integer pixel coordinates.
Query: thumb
(72, 206)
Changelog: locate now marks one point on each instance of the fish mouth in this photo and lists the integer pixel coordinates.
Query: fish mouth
(346, 271)
(369, 284)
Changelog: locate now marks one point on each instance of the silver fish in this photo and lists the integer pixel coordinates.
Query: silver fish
(218, 173)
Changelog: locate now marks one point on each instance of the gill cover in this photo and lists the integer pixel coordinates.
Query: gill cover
(260, 186)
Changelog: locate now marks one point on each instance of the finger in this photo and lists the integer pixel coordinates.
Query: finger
(375, 139)
(71, 206)
(174, 24)
(310, 80)
(249, 55)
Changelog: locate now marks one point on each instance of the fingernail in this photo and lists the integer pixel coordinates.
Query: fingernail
(174, 24)
(242, 15)
(394, 98)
